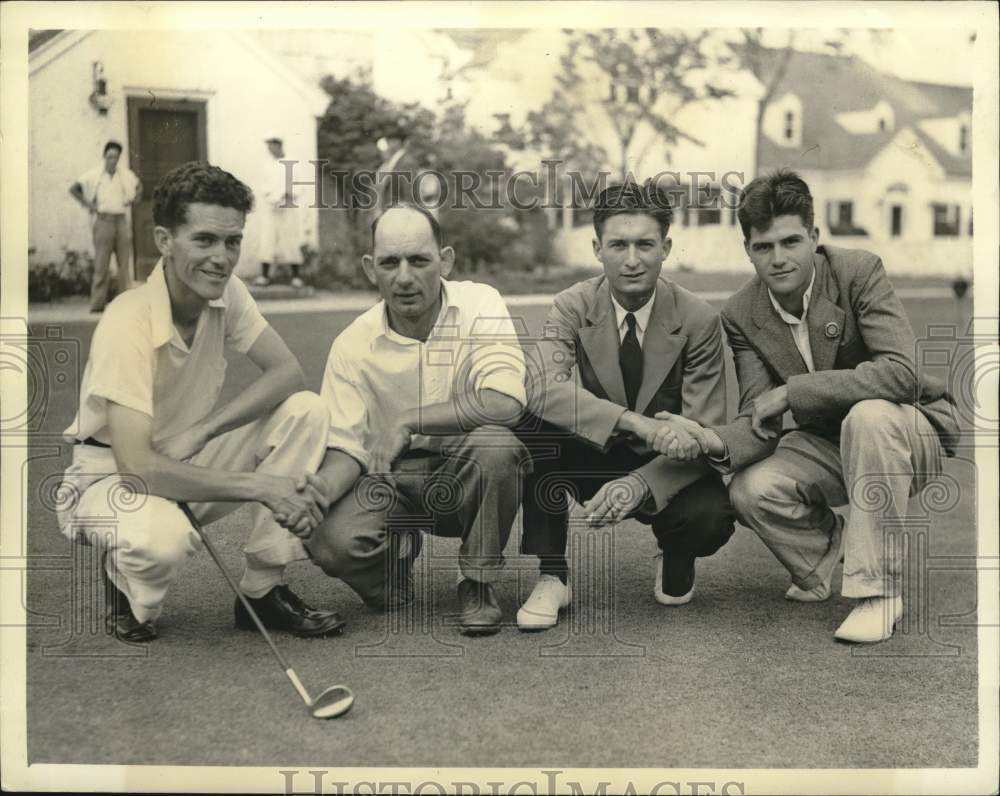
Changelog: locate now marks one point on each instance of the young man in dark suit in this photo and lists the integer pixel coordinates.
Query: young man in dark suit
(617, 349)
(821, 333)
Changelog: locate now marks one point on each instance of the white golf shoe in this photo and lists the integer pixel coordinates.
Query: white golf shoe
(541, 610)
(680, 578)
(872, 620)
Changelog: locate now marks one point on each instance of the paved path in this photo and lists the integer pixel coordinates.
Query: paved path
(77, 311)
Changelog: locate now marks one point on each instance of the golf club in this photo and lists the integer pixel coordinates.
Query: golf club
(331, 703)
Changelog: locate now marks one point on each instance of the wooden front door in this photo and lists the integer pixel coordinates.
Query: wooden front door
(162, 134)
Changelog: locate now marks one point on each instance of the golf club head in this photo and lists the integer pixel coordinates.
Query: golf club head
(333, 702)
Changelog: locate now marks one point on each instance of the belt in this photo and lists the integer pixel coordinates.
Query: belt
(94, 442)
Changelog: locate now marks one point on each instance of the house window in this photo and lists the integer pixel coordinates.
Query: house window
(789, 126)
(946, 220)
(896, 221)
(963, 138)
(970, 222)
(881, 125)
(840, 219)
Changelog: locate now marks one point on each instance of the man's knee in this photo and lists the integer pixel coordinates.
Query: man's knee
(874, 416)
(338, 542)
(157, 537)
(748, 487)
(329, 550)
(703, 508)
(307, 407)
(714, 509)
(496, 449)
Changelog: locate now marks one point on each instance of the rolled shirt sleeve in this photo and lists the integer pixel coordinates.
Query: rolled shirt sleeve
(244, 322)
(120, 368)
(497, 361)
(344, 397)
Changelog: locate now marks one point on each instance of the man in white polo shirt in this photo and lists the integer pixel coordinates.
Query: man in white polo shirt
(422, 389)
(149, 434)
(107, 191)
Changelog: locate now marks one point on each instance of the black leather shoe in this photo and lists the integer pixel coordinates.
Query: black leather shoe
(481, 614)
(282, 609)
(118, 617)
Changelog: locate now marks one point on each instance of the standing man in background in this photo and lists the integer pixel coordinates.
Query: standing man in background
(279, 232)
(399, 175)
(107, 191)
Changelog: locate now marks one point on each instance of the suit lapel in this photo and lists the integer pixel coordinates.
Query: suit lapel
(660, 346)
(600, 341)
(825, 318)
(774, 339)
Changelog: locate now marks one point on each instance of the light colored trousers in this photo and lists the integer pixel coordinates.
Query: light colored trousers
(111, 234)
(887, 453)
(148, 537)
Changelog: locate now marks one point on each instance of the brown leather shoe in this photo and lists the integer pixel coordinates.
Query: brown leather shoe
(118, 617)
(481, 614)
(282, 609)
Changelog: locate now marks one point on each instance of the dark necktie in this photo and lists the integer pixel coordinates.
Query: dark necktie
(630, 361)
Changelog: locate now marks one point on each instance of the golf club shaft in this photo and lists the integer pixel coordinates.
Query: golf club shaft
(285, 667)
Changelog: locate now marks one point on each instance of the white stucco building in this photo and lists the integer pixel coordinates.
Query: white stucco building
(167, 97)
(889, 160)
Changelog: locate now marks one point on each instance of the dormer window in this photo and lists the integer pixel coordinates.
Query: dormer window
(881, 125)
(789, 131)
(782, 121)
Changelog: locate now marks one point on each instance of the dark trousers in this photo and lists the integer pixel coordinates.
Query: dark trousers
(695, 523)
(470, 491)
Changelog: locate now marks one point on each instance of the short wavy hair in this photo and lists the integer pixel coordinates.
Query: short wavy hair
(647, 199)
(197, 182)
(780, 193)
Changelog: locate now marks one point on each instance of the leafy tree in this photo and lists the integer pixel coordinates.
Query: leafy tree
(492, 235)
(622, 80)
(354, 121)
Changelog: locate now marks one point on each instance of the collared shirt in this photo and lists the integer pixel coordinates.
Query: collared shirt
(113, 192)
(374, 374)
(138, 359)
(798, 326)
(641, 318)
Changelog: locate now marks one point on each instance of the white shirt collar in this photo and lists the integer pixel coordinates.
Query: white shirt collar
(386, 331)
(641, 315)
(786, 316)
(161, 316)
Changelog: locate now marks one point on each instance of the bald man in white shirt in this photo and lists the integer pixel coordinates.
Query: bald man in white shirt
(422, 390)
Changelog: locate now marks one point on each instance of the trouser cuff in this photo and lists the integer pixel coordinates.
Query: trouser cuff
(259, 580)
(480, 574)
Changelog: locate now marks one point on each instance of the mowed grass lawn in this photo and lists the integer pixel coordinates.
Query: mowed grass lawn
(738, 678)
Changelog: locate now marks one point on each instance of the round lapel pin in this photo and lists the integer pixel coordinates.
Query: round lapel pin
(832, 330)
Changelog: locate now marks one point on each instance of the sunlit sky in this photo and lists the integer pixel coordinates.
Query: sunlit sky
(936, 56)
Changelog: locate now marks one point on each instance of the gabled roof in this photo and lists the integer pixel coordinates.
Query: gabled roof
(829, 85)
